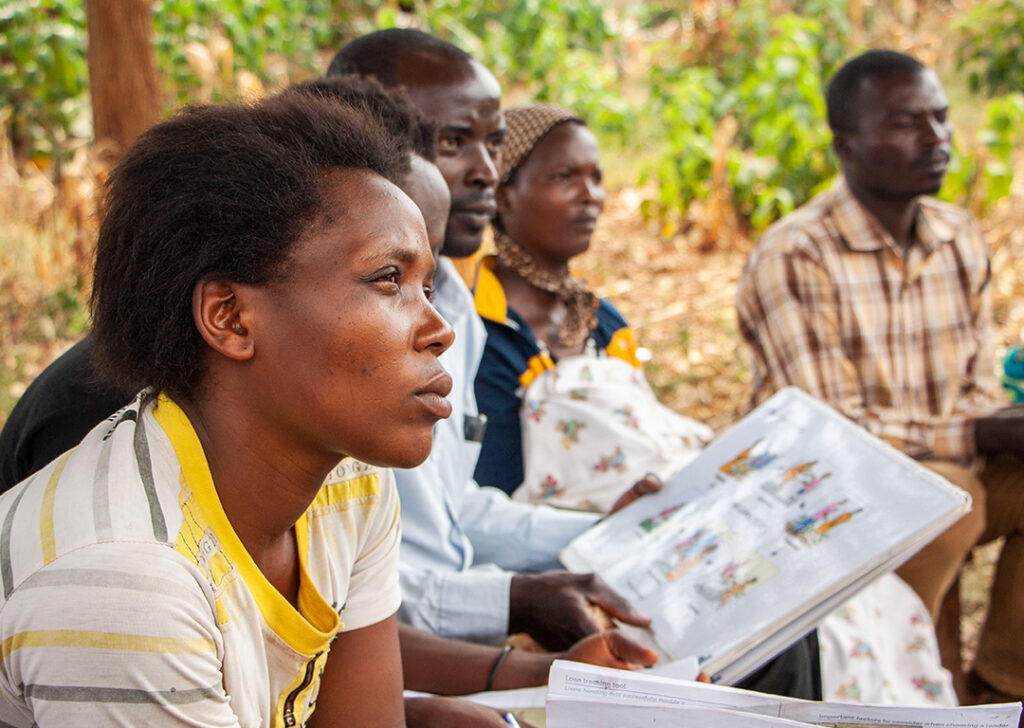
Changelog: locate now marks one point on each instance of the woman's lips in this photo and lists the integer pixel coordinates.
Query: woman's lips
(434, 396)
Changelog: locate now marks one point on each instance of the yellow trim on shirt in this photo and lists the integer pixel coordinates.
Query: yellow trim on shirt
(106, 641)
(47, 537)
(623, 346)
(489, 296)
(332, 495)
(535, 366)
(280, 616)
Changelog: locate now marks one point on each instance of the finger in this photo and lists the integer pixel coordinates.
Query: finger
(632, 654)
(609, 600)
(647, 485)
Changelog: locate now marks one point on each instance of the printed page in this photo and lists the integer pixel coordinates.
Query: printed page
(790, 508)
(570, 713)
(594, 689)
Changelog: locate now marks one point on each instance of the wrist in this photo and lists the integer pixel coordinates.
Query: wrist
(524, 669)
(987, 435)
(519, 592)
(499, 662)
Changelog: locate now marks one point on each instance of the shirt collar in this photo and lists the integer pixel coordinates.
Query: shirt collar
(489, 296)
(862, 232)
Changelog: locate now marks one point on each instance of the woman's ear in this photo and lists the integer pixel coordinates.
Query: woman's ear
(223, 319)
(501, 198)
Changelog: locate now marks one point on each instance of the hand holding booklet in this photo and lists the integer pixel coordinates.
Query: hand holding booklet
(777, 522)
(584, 696)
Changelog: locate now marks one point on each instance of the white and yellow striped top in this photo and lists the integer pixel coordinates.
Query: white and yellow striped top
(127, 598)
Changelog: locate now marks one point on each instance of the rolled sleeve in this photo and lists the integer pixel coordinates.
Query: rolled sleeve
(471, 605)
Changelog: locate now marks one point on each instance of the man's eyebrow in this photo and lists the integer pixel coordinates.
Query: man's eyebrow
(460, 128)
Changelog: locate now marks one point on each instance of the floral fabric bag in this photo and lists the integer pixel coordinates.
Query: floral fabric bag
(592, 427)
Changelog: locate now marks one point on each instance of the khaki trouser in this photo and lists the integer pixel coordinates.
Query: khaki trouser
(998, 510)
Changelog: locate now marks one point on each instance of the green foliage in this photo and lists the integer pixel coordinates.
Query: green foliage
(685, 124)
(750, 81)
(257, 32)
(43, 73)
(561, 51)
(993, 47)
(782, 112)
(524, 41)
(767, 71)
(981, 179)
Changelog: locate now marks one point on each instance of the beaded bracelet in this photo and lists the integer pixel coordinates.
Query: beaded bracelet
(497, 666)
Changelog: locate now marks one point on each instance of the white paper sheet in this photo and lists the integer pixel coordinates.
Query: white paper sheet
(773, 525)
(575, 689)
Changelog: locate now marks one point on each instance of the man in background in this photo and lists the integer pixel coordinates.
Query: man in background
(875, 298)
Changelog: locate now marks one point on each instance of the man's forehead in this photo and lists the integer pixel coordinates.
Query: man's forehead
(450, 85)
(902, 92)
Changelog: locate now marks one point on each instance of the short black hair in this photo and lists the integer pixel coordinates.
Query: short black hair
(215, 192)
(843, 90)
(380, 54)
(390, 107)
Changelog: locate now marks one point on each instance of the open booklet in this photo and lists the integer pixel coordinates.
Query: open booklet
(781, 519)
(584, 696)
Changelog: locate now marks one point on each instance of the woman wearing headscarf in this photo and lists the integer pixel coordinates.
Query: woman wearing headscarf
(538, 314)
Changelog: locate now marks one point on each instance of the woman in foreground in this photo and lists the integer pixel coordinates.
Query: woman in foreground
(203, 558)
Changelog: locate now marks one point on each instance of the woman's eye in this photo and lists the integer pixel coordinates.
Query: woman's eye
(428, 291)
(388, 279)
(448, 143)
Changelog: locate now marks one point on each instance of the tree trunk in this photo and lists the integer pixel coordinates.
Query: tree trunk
(122, 74)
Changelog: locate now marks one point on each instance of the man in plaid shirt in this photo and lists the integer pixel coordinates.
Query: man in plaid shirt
(876, 299)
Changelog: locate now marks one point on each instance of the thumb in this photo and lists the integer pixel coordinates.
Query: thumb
(633, 654)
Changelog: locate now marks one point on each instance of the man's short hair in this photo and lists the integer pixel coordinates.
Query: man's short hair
(390, 107)
(379, 54)
(216, 192)
(841, 97)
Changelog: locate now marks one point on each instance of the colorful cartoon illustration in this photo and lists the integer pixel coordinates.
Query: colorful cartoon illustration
(736, 578)
(862, 649)
(652, 522)
(751, 459)
(570, 430)
(534, 410)
(579, 394)
(812, 528)
(796, 482)
(626, 413)
(919, 644)
(689, 552)
(932, 689)
(796, 470)
(849, 690)
(550, 487)
(811, 483)
(616, 461)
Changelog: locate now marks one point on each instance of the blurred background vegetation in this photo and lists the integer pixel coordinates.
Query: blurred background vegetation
(710, 114)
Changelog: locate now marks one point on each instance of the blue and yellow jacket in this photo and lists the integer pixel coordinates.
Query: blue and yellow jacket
(512, 359)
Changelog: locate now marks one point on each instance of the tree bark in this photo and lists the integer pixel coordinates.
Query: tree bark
(122, 73)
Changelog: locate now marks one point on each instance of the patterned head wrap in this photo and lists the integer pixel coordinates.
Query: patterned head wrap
(526, 127)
